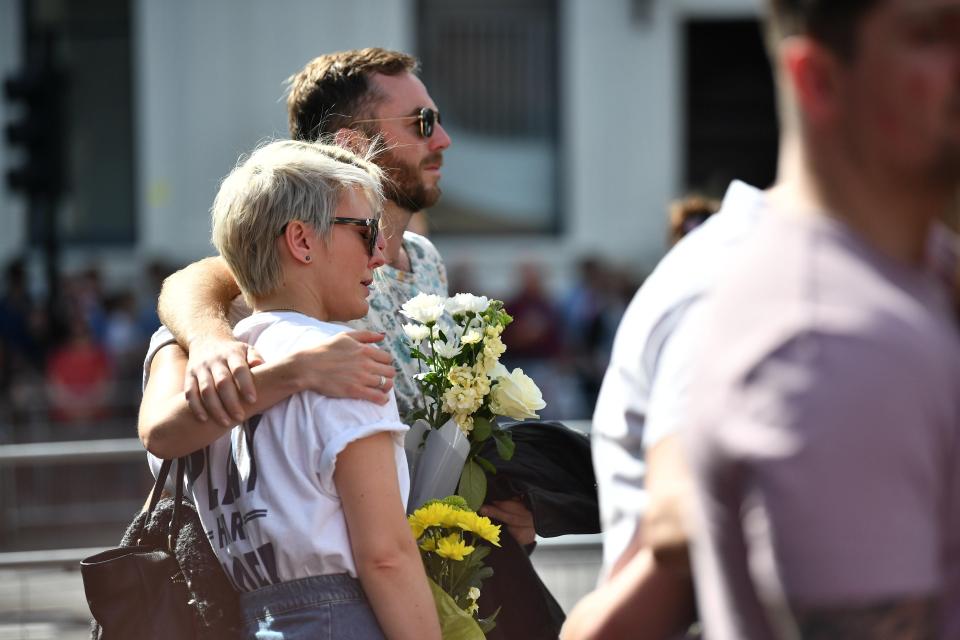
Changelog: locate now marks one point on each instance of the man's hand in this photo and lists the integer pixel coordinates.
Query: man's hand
(516, 516)
(218, 373)
(348, 365)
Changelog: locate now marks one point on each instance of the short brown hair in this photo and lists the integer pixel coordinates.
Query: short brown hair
(688, 213)
(335, 88)
(834, 23)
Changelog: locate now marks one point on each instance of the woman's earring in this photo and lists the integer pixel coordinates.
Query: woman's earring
(307, 258)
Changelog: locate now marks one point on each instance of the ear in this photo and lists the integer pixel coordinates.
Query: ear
(813, 74)
(352, 140)
(301, 242)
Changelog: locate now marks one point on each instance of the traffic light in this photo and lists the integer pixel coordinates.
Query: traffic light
(38, 92)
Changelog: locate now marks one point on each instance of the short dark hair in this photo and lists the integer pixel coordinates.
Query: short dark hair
(334, 89)
(831, 22)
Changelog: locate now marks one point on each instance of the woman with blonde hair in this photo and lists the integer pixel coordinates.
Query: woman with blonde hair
(304, 503)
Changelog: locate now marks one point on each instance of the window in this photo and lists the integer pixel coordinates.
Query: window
(731, 123)
(92, 45)
(492, 68)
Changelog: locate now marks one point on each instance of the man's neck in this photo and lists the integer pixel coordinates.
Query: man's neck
(395, 221)
(891, 212)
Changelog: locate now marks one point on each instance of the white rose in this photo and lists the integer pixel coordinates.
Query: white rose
(463, 302)
(498, 371)
(473, 593)
(416, 333)
(472, 336)
(516, 396)
(424, 307)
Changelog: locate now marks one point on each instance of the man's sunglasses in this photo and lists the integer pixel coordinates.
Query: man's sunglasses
(428, 118)
(372, 225)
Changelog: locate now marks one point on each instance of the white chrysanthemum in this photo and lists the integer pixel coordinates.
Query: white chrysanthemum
(424, 307)
(464, 302)
(446, 350)
(416, 333)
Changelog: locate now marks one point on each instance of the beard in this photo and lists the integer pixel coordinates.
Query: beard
(404, 184)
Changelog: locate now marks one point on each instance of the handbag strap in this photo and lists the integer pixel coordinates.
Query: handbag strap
(172, 527)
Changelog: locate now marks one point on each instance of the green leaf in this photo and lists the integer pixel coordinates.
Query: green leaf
(505, 445)
(486, 464)
(473, 485)
(455, 623)
(481, 429)
(416, 353)
(487, 624)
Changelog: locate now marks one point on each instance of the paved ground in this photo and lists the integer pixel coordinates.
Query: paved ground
(48, 604)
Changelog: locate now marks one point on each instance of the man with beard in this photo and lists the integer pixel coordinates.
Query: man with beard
(354, 96)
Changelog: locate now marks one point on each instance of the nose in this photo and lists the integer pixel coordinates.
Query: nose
(439, 140)
(378, 259)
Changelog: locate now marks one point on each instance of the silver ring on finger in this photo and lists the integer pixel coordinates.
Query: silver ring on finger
(383, 381)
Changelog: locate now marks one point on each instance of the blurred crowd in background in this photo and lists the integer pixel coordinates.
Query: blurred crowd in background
(72, 369)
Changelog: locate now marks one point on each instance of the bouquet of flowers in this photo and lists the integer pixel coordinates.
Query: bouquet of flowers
(452, 541)
(463, 382)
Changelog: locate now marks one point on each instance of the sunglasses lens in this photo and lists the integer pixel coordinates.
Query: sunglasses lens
(427, 118)
(374, 228)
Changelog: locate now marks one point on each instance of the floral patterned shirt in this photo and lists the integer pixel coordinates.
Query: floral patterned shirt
(391, 288)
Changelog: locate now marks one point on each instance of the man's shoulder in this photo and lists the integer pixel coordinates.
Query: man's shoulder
(420, 247)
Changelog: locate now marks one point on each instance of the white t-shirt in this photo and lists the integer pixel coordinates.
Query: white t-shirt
(265, 492)
(648, 376)
(391, 288)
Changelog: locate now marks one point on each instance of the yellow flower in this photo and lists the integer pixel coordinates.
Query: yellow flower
(479, 525)
(453, 547)
(435, 514)
(429, 544)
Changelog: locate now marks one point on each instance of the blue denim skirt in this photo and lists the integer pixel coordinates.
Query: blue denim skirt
(331, 606)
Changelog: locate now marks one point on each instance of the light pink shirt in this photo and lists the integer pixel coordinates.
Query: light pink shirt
(824, 439)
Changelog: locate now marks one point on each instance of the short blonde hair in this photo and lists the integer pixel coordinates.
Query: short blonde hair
(282, 181)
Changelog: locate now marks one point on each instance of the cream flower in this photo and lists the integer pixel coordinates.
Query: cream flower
(473, 594)
(464, 302)
(416, 333)
(472, 336)
(424, 307)
(460, 376)
(516, 396)
(465, 422)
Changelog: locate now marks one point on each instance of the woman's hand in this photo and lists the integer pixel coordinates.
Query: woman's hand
(348, 365)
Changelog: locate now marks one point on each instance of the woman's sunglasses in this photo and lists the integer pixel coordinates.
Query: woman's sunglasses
(372, 225)
(373, 230)
(428, 118)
